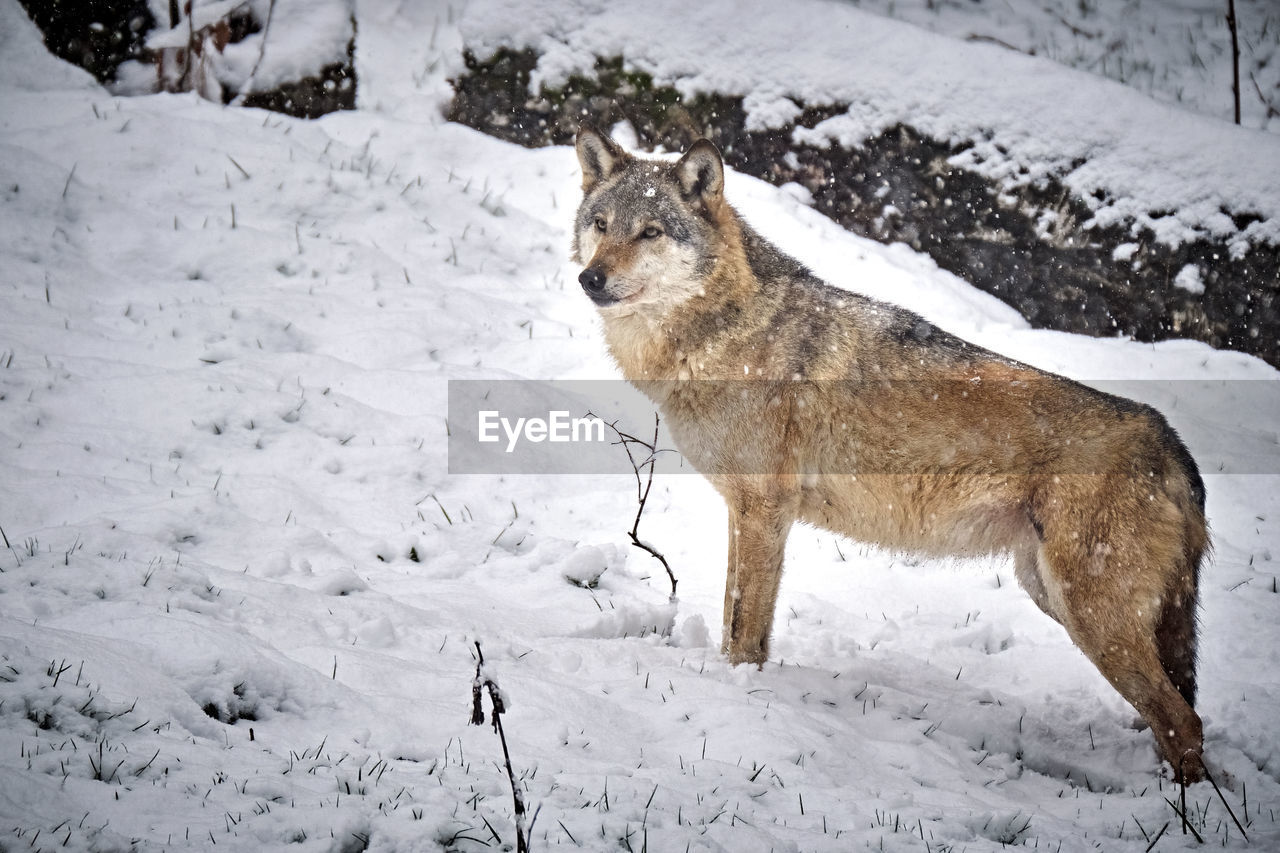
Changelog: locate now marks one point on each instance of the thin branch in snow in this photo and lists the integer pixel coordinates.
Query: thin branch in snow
(481, 683)
(1213, 782)
(1235, 56)
(247, 88)
(643, 485)
(1272, 112)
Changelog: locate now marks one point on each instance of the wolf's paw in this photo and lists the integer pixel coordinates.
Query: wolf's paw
(739, 655)
(1192, 768)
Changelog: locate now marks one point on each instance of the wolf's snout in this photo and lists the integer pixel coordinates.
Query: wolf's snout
(593, 282)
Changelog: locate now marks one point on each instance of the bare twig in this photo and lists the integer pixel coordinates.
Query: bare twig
(982, 37)
(643, 485)
(247, 88)
(1235, 56)
(481, 683)
(191, 43)
(1212, 782)
(1272, 112)
(1182, 814)
(1074, 29)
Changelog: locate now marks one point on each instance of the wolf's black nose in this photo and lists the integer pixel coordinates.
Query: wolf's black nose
(592, 281)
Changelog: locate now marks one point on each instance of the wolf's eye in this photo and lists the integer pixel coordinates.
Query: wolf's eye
(651, 232)
(601, 225)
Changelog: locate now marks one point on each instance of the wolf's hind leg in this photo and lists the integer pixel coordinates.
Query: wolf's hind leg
(1027, 568)
(1116, 628)
(758, 528)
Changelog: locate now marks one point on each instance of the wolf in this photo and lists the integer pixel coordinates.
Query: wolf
(803, 402)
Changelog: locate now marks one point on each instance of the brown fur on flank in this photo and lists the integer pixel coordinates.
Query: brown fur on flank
(802, 402)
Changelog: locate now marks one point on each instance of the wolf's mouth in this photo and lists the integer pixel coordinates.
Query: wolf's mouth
(603, 299)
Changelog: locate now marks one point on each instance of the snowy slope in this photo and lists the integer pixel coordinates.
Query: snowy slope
(1133, 160)
(1179, 53)
(241, 590)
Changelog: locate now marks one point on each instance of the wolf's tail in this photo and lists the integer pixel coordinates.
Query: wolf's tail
(1176, 629)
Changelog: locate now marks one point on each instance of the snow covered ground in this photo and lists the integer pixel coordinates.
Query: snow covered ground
(240, 592)
(1177, 51)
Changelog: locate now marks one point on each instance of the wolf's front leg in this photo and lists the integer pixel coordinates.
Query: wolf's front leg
(758, 530)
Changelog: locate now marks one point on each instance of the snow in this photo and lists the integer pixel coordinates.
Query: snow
(28, 66)
(302, 38)
(1179, 53)
(1022, 118)
(1190, 278)
(239, 602)
(308, 36)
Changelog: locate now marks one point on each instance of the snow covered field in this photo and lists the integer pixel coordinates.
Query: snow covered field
(240, 591)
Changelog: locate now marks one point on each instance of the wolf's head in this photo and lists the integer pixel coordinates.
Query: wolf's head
(647, 231)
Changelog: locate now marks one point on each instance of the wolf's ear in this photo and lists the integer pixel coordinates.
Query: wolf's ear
(700, 172)
(599, 155)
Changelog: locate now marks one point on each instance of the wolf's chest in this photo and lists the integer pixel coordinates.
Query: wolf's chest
(723, 426)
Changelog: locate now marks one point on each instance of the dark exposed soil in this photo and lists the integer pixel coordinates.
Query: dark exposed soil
(899, 187)
(311, 97)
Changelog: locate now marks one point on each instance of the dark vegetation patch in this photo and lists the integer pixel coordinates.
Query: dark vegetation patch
(311, 97)
(899, 187)
(98, 35)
